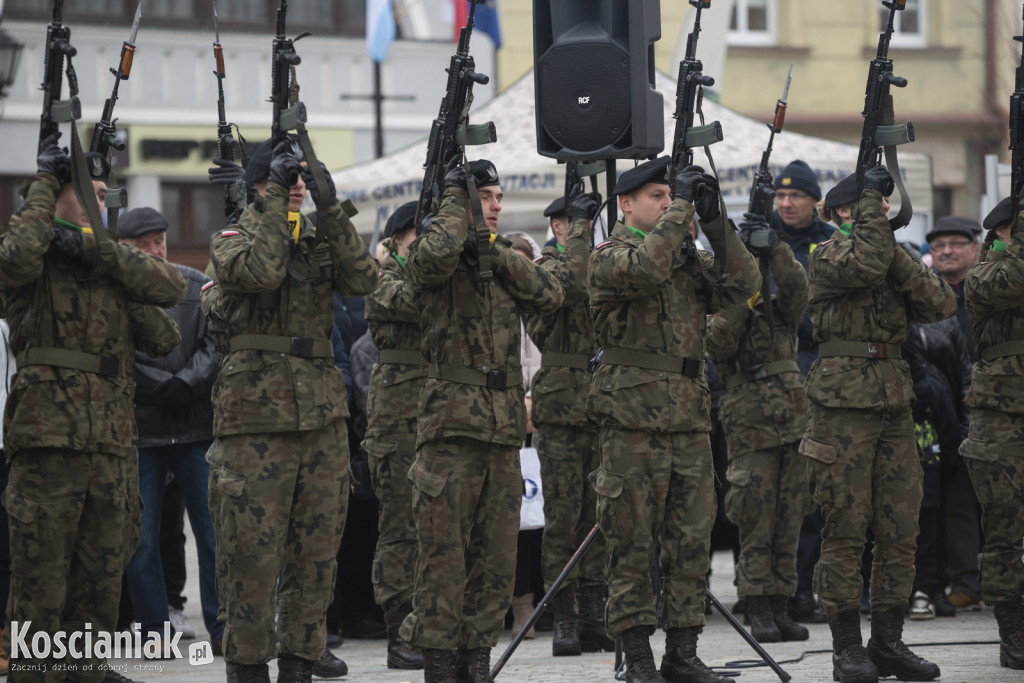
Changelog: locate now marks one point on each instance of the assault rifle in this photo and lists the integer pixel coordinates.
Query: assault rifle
(689, 93)
(879, 130)
(450, 132)
(285, 117)
(234, 193)
(1017, 135)
(762, 192)
(58, 46)
(575, 172)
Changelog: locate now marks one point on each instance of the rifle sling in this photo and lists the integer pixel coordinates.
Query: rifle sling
(479, 225)
(902, 217)
(81, 180)
(711, 162)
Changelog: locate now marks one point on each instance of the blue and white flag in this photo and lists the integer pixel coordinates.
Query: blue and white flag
(380, 28)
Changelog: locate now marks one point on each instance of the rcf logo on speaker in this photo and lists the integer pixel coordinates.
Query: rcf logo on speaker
(583, 100)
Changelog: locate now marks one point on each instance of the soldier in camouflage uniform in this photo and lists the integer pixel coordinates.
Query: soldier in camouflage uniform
(279, 467)
(650, 290)
(466, 478)
(390, 441)
(566, 441)
(862, 462)
(994, 448)
(763, 416)
(69, 423)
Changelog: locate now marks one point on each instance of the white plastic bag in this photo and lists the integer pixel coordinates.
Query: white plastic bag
(532, 514)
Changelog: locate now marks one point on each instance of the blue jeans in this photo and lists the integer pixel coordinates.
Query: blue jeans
(145, 571)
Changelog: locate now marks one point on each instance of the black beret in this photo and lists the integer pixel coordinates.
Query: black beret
(556, 208)
(954, 225)
(799, 176)
(258, 167)
(653, 171)
(99, 167)
(845, 192)
(484, 173)
(401, 220)
(141, 221)
(999, 216)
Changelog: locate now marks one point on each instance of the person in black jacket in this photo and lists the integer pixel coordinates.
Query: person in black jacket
(175, 421)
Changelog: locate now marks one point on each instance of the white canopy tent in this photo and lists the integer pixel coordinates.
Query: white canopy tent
(531, 181)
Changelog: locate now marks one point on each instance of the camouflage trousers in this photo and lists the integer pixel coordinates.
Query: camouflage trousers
(767, 500)
(466, 499)
(567, 457)
(655, 488)
(278, 503)
(864, 471)
(994, 453)
(73, 519)
(395, 558)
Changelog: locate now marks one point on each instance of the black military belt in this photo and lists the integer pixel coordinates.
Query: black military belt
(564, 360)
(1001, 350)
(303, 347)
(401, 357)
(492, 379)
(690, 367)
(767, 370)
(107, 366)
(859, 349)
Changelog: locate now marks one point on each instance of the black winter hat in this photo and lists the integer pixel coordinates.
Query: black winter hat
(556, 208)
(401, 220)
(141, 221)
(845, 192)
(799, 176)
(1001, 215)
(954, 225)
(484, 173)
(653, 171)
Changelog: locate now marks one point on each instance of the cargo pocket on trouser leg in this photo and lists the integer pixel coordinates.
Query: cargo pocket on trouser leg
(821, 458)
(434, 519)
(741, 504)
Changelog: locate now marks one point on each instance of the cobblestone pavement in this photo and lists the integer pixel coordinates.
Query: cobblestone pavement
(965, 648)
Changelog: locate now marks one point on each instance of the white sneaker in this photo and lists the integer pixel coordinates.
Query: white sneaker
(181, 625)
(921, 607)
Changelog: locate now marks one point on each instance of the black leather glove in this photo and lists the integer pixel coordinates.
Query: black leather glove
(54, 160)
(687, 182)
(455, 176)
(582, 205)
(224, 171)
(878, 178)
(66, 243)
(307, 177)
(175, 396)
(756, 233)
(707, 202)
(285, 167)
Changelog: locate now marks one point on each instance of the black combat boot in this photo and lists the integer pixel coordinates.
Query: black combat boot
(294, 670)
(329, 666)
(681, 663)
(789, 629)
(247, 673)
(438, 666)
(473, 665)
(593, 636)
(636, 644)
(762, 623)
(565, 641)
(1010, 617)
(401, 654)
(850, 663)
(890, 655)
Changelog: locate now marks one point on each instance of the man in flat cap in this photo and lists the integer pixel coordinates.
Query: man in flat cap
(860, 448)
(175, 421)
(994, 449)
(470, 289)
(68, 293)
(390, 442)
(650, 291)
(279, 465)
(566, 440)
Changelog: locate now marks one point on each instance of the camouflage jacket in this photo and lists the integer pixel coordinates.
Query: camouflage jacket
(269, 284)
(49, 306)
(648, 297)
(560, 392)
(761, 411)
(994, 292)
(473, 327)
(865, 287)
(394, 321)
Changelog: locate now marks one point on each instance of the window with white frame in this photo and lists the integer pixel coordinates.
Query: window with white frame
(752, 22)
(909, 24)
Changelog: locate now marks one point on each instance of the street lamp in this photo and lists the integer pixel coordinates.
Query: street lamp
(10, 55)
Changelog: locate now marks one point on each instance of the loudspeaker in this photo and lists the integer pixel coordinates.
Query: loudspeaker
(594, 79)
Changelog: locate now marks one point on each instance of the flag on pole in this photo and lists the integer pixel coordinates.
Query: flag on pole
(485, 20)
(380, 28)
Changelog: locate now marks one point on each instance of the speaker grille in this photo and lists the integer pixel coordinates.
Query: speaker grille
(583, 95)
